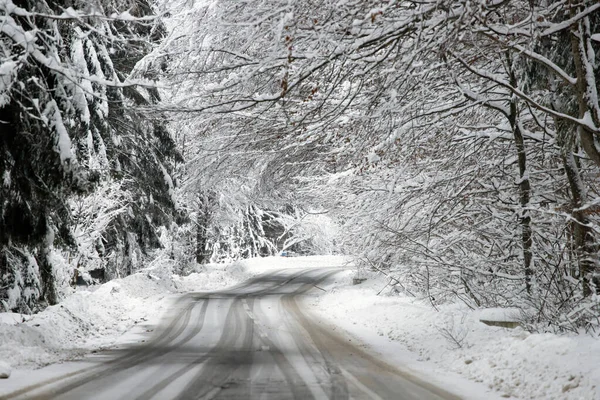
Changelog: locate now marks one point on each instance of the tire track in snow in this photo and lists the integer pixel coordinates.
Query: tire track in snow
(111, 367)
(132, 357)
(218, 363)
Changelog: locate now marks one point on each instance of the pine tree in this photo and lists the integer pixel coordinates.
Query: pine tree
(68, 109)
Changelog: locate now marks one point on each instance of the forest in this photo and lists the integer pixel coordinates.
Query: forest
(453, 146)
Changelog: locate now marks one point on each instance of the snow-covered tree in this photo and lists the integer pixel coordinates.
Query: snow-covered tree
(71, 83)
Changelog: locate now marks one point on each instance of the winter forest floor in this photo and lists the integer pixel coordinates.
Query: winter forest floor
(451, 348)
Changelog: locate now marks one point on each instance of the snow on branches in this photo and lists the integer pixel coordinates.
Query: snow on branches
(456, 142)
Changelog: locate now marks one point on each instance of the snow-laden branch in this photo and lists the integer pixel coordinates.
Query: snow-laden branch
(557, 27)
(584, 122)
(71, 14)
(534, 56)
(27, 41)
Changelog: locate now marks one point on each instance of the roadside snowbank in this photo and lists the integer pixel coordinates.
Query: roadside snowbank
(5, 370)
(511, 362)
(97, 317)
(86, 320)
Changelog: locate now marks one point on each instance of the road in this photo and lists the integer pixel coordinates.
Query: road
(253, 341)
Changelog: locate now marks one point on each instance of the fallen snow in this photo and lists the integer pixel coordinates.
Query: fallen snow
(500, 314)
(450, 347)
(13, 318)
(510, 362)
(84, 321)
(5, 370)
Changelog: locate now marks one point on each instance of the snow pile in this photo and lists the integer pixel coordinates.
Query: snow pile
(5, 370)
(510, 362)
(84, 321)
(500, 314)
(212, 277)
(11, 318)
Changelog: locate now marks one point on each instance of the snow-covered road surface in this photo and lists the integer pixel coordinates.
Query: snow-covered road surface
(252, 341)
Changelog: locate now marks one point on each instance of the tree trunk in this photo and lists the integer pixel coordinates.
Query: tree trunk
(524, 197)
(587, 99)
(586, 88)
(583, 239)
(202, 223)
(524, 182)
(200, 237)
(582, 235)
(49, 293)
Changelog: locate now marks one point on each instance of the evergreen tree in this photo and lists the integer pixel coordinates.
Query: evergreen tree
(69, 94)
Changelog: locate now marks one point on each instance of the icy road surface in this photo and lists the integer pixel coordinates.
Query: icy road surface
(253, 341)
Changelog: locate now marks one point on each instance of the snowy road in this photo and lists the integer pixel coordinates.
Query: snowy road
(253, 341)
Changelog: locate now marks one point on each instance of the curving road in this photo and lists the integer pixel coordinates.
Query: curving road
(253, 341)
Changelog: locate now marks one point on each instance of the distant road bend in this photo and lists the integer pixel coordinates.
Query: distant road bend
(253, 341)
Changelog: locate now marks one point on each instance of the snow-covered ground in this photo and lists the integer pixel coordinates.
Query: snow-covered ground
(450, 347)
(511, 362)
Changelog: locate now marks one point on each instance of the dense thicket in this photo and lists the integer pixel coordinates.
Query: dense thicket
(456, 142)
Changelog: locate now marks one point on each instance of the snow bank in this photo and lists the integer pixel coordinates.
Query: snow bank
(11, 318)
(5, 370)
(86, 320)
(510, 362)
(500, 314)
